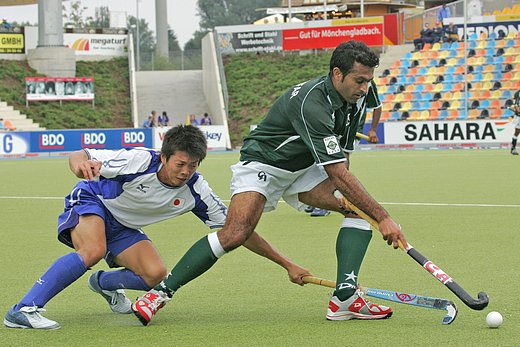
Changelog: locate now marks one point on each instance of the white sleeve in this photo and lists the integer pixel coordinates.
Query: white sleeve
(121, 162)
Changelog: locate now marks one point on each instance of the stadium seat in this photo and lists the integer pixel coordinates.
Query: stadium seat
(495, 104)
(508, 113)
(473, 114)
(510, 51)
(485, 93)
(506, 94)
(484, 104)
(443, 114)
(496, 113)
(398, 97)
(452, 114)
(388, 97)
(424, 115)
(414, 115)
(434, 114)
(427, 87)
(455, 105)
(406, 106)
(388, 106)
(435, 105)
(430, 79)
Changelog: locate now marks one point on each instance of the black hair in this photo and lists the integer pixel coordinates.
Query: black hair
(347, 53)
(186, 138)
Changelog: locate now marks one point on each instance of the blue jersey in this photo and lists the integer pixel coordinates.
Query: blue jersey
(130, 190)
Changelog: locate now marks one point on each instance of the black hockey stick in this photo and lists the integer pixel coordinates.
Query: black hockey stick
(437, 272)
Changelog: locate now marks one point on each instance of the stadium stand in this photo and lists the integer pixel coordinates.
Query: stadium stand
(429, 84)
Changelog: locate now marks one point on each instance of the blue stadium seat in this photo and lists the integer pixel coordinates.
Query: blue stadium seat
(395, 115)
(506, 94)
(443, 114)
(484, 104)
(508, 113)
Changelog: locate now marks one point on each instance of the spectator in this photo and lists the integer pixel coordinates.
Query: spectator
(438, 32)
(193, 120)
(2, 128)
(147, 122)
(426, 37)
(206, 120)
(450, 34)
(444, 12)
(153, 121)
(164, 120)
(6, 25)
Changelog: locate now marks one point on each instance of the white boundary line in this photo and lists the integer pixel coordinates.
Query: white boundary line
(382, 203)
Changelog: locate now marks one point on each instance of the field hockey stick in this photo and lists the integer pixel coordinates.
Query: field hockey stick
(434, 270)
(362, 136)
(399, 297)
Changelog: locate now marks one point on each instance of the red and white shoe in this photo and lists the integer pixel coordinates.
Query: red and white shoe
(147, 305)
(356, 307)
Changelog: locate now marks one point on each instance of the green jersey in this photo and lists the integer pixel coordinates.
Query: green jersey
(310, 123)
(372, 102)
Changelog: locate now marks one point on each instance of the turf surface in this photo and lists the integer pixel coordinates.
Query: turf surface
(459, 208)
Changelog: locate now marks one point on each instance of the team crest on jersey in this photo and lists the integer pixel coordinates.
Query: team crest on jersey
(177, 203)
(331, 144)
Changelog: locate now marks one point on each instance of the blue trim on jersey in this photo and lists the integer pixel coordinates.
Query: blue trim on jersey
(200, 209)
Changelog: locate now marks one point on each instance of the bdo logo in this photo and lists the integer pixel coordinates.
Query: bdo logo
(93, 140)
(133, 138)
(52, 141)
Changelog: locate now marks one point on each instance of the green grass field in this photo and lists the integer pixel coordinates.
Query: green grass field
(459, 208)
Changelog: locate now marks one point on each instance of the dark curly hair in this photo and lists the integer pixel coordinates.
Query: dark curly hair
(347, 53)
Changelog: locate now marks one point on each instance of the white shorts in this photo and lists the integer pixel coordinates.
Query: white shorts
(516, 122)
(275, 183)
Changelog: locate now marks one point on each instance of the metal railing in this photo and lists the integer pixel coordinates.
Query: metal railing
(176, 60)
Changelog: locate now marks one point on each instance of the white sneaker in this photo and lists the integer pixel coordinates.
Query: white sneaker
(116, 299)
(28, 317)
(356, 307)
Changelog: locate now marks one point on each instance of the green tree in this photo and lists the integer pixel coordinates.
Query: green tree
(196, 41)
(173, 43)
(73, 14)
(101, 18)
(146, 37)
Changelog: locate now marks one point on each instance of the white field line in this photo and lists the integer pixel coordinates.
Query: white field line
(382, 203)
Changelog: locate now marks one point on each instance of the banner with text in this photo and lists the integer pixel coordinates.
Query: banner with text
(59, 88)
(448, 132)
(12, 42)
(254, 41)
(216, 135)
(97, 44)
(330, 37)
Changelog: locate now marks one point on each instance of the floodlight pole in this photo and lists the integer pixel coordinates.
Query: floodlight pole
(138, 43)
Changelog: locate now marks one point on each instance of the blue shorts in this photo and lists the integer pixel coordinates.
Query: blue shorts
(82, 202)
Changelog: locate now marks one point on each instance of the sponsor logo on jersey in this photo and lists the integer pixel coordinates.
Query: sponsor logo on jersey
(142, 188)
(177, 203)
(262, 176)
(331, 144)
